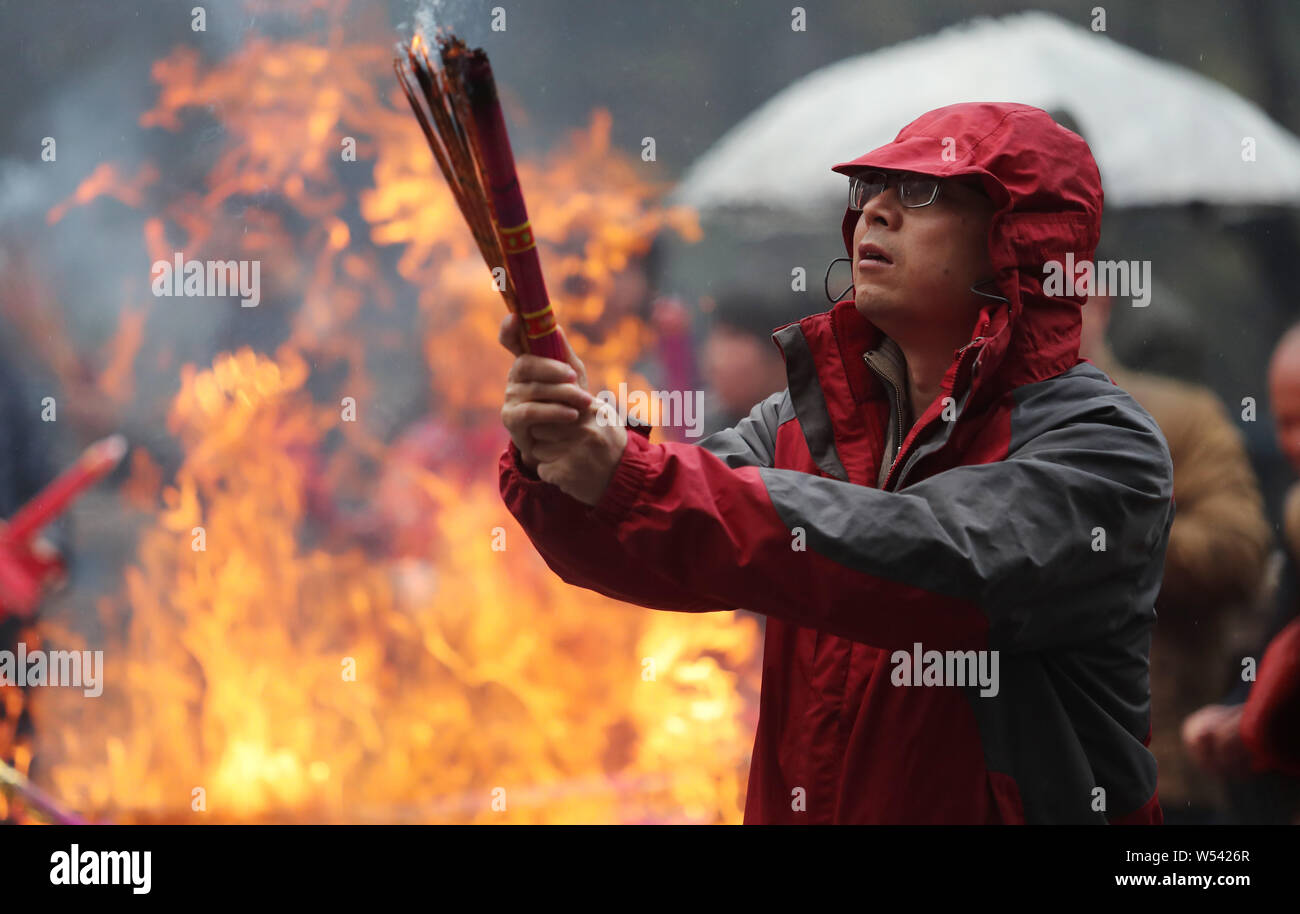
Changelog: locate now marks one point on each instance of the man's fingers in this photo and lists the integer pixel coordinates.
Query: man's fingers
(568, 394)
(573, 359)
(1196, 735)
(539, 368)
(1210, 735)
(550, 433)
(548, 441)
(520, 417)
(1197, 744)
(509, 336)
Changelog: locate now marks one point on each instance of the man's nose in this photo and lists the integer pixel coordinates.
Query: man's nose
(884, 208)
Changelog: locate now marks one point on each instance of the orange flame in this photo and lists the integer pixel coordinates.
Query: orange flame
(104, 181)
(268, 672)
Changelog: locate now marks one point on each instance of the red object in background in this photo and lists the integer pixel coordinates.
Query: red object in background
(25, 566)
(676, 350)
(23, 573)
(1270, 722)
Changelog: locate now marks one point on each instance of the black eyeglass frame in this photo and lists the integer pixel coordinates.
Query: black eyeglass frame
(911, 188)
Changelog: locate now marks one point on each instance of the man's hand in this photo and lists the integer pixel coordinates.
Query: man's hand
(511, 336)
(570, 438)
(581, 457)
(1212, 737)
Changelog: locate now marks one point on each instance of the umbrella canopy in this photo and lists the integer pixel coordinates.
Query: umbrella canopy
(1160, 133)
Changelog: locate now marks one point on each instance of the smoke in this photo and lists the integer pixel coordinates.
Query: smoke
(22, 192)
(469, 19)
(94, 259)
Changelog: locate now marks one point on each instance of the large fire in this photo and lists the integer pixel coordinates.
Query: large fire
(279, 656)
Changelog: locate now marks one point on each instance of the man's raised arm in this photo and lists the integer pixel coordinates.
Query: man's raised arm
(1009, 546)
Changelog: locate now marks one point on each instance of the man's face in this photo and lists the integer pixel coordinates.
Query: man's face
(935, 254)
(741, 369)
(1284, 392)
(1096, 318)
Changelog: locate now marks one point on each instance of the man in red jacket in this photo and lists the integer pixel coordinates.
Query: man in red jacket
(955, 527)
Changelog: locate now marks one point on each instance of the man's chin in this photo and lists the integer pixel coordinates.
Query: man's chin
(876, 308)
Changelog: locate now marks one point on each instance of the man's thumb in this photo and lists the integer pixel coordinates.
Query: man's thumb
(573, 359)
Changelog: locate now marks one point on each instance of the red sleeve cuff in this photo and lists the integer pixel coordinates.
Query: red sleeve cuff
(624, 486)
(641, 428)
(628, 480)
(515, 460)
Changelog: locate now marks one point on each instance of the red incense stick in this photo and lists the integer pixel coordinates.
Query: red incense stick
(460, 114)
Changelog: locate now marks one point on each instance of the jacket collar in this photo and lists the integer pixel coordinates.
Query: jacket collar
(830, 381)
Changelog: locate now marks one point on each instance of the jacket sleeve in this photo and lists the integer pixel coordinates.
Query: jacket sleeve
(561, 530)
(1268, 720)
(752, 442)
(1041, 549)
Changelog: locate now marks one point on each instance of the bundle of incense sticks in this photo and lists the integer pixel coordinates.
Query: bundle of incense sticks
(458, 109)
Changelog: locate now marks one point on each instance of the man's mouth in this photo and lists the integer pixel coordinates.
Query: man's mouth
(871, 256)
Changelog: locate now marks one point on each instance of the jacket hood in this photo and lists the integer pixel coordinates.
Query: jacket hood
(1045, 183)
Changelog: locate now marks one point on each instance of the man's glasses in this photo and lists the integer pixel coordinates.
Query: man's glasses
(913, 190)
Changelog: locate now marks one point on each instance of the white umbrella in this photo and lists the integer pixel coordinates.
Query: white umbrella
(1161, 134)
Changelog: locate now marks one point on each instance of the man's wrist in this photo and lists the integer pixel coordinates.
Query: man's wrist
(627, 482)
(525, 469)
(634, 424)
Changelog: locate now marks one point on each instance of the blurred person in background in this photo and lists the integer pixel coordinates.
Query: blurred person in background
(659, 324)
(1256, 727)
(741, 365)
(1218, 554)
(670, 361)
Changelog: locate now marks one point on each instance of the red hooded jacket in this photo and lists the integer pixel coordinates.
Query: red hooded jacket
(1030, 528)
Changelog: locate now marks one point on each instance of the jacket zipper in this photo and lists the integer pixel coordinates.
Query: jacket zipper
(961, 354)
(898, 428)
(896, 410)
